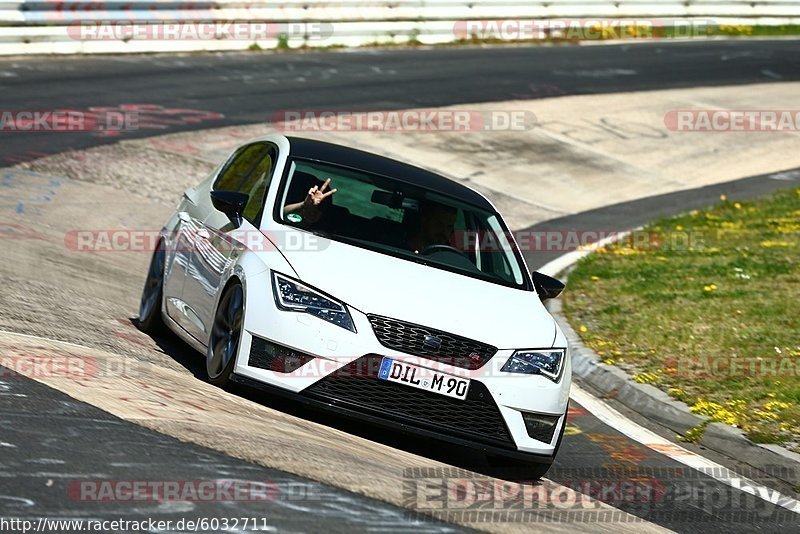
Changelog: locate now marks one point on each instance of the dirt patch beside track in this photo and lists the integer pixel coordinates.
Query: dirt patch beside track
(568, 155)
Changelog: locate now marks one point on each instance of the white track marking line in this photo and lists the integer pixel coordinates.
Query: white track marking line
(651, 440)
(552, 268)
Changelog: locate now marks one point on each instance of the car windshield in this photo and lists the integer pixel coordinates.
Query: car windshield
(393, 217)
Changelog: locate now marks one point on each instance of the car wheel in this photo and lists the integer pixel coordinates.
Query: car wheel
(225, 335)
(150, 319)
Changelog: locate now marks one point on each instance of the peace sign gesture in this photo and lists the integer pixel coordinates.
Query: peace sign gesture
(317, 194)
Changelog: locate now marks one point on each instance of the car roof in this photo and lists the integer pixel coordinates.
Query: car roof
(300, 147)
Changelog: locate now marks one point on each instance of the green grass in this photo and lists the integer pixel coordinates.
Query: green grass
(708, 309)
(283, 42)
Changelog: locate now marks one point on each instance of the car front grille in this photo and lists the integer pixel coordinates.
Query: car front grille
(411, 339)
(356, 386)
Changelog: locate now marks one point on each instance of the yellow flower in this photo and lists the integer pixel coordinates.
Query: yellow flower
(624, 251)
(737, 205)
(679, 228)
(776, 406)
(646, 378)
(731, 413)
(710, 287)
(583, 328)
(723, 198)
(788, 228)
(766, 416)
(595, 278)
(693, 435)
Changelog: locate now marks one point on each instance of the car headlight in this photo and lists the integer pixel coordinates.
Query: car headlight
(292, 295)
(537, 362)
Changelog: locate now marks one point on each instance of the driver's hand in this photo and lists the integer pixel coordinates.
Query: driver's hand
(317, 194)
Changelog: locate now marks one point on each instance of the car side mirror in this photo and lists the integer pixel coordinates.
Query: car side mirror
(547, 286)
(231, 204)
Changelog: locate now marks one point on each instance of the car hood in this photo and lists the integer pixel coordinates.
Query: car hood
(376, 283)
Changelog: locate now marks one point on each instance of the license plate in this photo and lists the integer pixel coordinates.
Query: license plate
(423, 378)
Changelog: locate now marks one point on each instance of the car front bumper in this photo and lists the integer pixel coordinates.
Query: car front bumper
(336, 368)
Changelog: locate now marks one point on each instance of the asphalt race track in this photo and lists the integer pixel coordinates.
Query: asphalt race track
(68, 437)
(231, 89)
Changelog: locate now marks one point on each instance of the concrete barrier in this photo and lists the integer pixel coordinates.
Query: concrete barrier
(111, 26)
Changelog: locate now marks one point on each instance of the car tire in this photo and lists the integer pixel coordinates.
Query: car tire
(150, 319)
(226, 333)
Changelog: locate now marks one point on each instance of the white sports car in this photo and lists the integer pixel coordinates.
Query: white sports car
(368, 286)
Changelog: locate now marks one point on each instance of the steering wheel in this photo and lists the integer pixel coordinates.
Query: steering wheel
(430, 249)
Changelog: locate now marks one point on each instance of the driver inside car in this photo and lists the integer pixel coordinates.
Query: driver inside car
(436, 226)
(308, 203)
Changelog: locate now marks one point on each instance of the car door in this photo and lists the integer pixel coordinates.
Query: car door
(190, 215)
(218, 243)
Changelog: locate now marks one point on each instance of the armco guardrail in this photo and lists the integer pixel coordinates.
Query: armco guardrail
(46, 26)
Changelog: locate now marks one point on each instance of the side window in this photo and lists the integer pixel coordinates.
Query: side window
(249, 172)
